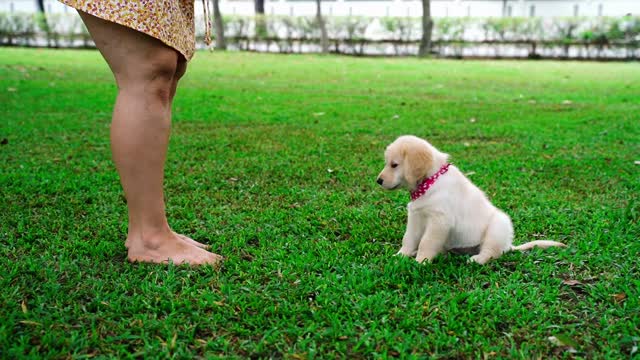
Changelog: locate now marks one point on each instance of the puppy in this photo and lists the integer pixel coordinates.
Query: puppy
(447, 212)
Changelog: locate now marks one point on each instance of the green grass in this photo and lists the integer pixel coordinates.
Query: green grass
(273, 161)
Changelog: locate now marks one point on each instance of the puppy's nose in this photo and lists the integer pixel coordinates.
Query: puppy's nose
(379, 181)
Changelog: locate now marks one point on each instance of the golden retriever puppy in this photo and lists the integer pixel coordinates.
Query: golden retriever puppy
(447, 212)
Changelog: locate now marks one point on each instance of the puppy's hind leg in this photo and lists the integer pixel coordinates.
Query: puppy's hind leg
(496, 240)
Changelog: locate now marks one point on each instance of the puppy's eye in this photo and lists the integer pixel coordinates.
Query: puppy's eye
(394, 165)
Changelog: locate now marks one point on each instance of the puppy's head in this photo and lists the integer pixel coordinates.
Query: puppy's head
(408, 160)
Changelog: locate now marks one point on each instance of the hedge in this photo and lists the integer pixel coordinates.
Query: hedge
(576, 37)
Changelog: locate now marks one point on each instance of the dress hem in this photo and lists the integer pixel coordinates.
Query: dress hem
(186, 54)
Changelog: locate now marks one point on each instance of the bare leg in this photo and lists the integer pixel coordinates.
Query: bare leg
(181, 69)
(147, 72)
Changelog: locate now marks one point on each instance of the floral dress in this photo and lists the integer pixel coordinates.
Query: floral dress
(170, 21)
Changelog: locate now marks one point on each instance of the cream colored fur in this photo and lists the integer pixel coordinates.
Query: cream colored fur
(452, 214)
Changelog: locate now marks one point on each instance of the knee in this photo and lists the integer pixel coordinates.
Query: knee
(152, 77)
(160, 76)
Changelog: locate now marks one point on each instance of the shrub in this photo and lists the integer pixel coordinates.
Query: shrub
(401, 28)
(17, 28)
(450, 29)
(351, 33)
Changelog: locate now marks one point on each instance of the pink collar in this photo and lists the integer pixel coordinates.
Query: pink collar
(428, 182)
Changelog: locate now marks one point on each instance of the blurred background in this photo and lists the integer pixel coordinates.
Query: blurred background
(575, 29)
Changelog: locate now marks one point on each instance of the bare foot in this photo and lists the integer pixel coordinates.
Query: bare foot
(184, 238)
(189, 240)
(169, 247)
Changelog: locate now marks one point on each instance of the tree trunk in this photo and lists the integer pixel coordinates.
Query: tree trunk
(43, 16)
(427, 28)
(259, 6)
(40, 5)
(261, 25)
(324, 39)
(221, 44)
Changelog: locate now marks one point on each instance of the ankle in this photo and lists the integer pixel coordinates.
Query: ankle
(150, 237)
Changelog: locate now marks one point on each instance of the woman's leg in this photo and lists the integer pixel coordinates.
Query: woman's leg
(146, 72)
(181, 69)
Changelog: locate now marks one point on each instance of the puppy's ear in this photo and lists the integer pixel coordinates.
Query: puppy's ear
(418, 161)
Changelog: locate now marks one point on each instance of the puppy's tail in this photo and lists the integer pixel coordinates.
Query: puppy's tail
(543, 244)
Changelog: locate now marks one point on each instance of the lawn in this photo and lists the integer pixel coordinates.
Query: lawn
(273, 161)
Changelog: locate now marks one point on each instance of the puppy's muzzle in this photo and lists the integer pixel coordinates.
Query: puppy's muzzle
(379, 181)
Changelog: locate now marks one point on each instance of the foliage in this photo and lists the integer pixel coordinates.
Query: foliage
(350, 28)
(17, 28)
(350, 34)
(450, 28)
(513, 28)
(401, 28)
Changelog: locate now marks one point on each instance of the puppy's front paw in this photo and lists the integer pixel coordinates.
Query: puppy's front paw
(405, 252)
(423, 259)
(478, 259)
